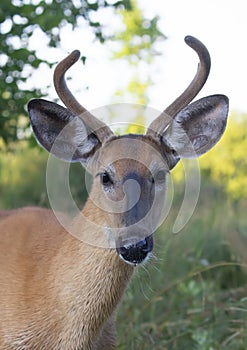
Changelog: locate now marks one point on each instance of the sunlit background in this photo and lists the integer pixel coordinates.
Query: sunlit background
(193, 294)
(220, 24)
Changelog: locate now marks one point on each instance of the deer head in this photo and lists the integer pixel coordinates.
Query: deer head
(130, 170)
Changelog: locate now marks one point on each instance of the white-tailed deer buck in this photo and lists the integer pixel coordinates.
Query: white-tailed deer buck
(58, 292)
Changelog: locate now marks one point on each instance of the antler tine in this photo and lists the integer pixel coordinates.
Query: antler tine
(160, 123)
(92, 123)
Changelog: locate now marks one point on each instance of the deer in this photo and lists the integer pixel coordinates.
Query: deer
(60, 286)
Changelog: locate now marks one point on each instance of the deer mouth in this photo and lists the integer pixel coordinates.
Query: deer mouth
(135, 252)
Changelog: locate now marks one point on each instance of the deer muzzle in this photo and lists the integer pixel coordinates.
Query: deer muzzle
(134, 251)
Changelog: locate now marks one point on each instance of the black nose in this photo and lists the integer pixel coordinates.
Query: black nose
(136, 253)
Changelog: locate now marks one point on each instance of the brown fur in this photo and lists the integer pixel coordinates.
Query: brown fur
(57, 292)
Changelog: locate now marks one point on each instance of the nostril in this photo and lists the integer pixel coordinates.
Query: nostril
(143, 245)
(146, 244)
(135, 253)
(124, 250)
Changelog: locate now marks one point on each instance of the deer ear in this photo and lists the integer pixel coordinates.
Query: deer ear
(61, 132)
(197, 127)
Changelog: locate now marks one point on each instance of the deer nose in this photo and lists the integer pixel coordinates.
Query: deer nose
(135, 253)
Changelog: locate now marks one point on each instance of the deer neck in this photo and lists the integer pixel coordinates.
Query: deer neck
(95, 280)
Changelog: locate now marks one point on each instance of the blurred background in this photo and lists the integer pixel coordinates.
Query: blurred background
(193, 292)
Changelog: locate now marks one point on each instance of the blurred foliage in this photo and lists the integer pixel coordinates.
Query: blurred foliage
(193, 292)
(23, 178)
(18, 21)
(136, 88)
(138, 40)
(138, 43)
(226, 163)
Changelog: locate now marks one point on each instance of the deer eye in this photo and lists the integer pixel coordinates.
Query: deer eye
(105, 179)
(160, 176)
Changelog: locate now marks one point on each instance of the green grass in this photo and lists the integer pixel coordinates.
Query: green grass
(193, 295)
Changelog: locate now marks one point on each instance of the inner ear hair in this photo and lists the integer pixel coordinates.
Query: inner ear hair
(197, 127)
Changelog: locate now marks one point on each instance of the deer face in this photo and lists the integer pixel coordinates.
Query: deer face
(129, 186)
(130, 171)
